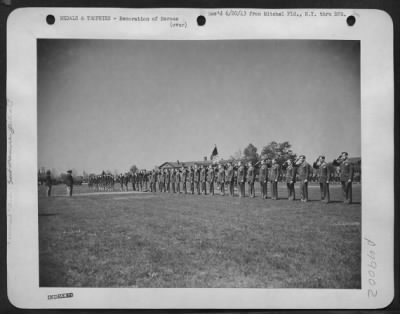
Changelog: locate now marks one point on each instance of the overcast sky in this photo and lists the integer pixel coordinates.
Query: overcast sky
(108, 104)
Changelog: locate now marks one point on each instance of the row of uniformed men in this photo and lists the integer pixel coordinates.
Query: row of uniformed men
(198, 177)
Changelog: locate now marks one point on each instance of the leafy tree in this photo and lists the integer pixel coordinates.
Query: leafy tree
(279, 151)
(250, 153)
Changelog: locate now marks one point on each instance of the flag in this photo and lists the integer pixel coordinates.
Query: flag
(214, 153)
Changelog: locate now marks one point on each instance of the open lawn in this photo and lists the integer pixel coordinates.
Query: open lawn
(130, 239)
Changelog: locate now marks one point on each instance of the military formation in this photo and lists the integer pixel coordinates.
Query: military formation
(223, 178)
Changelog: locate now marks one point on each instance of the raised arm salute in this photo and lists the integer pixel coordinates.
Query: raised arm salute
(324, 175)
(346, 176)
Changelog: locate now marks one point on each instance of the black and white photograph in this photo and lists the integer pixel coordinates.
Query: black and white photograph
(213, 158)
(195, 164)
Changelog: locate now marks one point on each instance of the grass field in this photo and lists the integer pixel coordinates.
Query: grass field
(169, 240)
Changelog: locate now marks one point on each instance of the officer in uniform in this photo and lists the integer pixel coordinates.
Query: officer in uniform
(184, 177)
(162, 181)
(69, 182)
(275, 174)
(178, 181)
(197, 178)
(49, 182)
(173, 180)
(230, 179)
(251, 178)
(221, 179)
(211, 179)
(191, 179)
(203, 180)
(346, 176)
(168, 180)
(263, 178)
(290, 179)
(324, 176)
(303, 169)
(241, 179)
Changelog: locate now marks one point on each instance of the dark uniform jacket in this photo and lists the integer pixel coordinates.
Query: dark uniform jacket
(251, 175)
(168, 177)
(290, 174)
(229, 175)
(241, 174)
(263, 173)
(184, 175)
(304, 171)
(324, 173)
(191, 176)
(221, 176)
(173, 177)
(346, 171)
(197, 175)
(275, 172)
(69, 181)
(211, 175)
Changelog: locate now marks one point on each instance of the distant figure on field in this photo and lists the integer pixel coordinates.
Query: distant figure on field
(69, 181)
(49, 183)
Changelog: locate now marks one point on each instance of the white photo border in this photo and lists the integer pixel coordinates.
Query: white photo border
(373, 28)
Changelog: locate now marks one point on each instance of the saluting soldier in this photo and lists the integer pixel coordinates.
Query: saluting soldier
(324, 176)
(221, 179)
(346, 176)
(203, 180)
(251, 178)
(230, 179)
(303, 169)
(263, 178)
(211, 179)
(275, 174)
(241, 179)
(290, 180)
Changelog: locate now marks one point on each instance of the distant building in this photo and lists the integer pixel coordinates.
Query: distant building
(186, 164)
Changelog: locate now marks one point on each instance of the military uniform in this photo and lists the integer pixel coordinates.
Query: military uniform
(197, 180)
(290, 181)
(162, 181)
(48, 183)
(275, 174)
(241, 179)
(178, 181)
(324, 176)
(230, 180)
(251, 178)
(173, 181)
(168, 181)
(263, 180)
(69, 182)
(191, 180)
(304, 175)
(203, 180)
(221, 180)
(211, 178)
(346, 179)
(184, 179)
